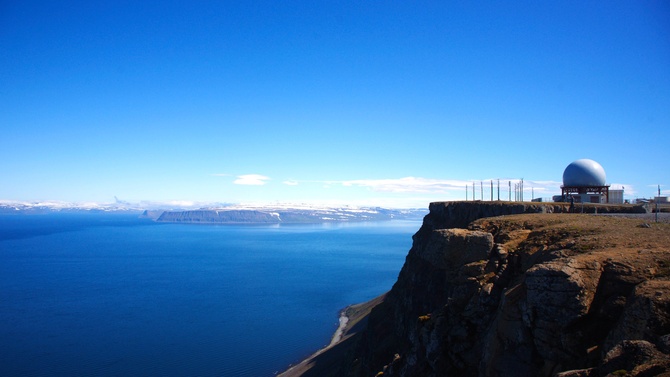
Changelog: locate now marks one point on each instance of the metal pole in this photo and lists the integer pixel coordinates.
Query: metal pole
(517, 195)
(498, 189)
(657, 198)
(509, 191)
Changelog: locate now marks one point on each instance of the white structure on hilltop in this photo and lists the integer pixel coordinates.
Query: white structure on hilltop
(584, 181)
(616, 196)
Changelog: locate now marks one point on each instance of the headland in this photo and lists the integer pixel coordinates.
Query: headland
(516, 289)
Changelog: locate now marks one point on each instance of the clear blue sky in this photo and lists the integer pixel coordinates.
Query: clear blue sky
(365, 102)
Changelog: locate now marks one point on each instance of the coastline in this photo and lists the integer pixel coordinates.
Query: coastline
(337, 337)
(351, 320)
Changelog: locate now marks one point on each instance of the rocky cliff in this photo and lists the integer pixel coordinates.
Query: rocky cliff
(520, 295)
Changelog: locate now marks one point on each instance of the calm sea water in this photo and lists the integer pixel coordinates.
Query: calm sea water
(110, 294)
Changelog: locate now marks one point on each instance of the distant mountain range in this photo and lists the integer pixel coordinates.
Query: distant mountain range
(218, 213)
(56, 206)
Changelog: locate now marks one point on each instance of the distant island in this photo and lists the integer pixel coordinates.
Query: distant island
(283, 215)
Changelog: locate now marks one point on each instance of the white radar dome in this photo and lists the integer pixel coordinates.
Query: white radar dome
(584, 172)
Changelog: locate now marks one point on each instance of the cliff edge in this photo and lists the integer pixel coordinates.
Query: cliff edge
(527, 292)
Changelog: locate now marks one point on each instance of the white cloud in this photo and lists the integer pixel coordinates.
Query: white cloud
(251, 180)
(408, 184)
(449, 189)
(290, 182)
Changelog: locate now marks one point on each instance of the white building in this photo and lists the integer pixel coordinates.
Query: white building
(616, 196)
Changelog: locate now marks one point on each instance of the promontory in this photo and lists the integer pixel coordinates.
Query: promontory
(516, 289)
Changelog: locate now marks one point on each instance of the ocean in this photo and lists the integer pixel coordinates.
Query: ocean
(111, 294)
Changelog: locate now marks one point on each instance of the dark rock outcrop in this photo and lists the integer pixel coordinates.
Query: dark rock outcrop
(444, 215)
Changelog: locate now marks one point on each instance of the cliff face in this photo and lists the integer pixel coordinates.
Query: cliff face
(521, 295)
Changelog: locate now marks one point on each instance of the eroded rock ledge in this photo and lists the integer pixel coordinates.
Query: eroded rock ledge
(521, 295)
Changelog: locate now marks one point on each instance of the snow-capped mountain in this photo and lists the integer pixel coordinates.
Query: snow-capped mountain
(195, 212)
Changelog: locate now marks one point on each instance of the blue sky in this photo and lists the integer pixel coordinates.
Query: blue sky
(389, 103)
